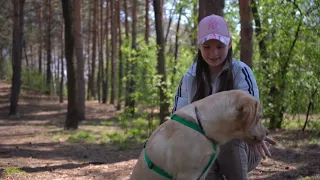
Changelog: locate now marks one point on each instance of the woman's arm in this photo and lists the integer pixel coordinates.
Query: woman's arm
(246, 81)
(181, 97)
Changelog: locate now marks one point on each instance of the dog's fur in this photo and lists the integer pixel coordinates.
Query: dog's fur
(184, 152)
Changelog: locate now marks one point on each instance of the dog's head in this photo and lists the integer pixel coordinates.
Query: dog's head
(231, 115)
(249, 120)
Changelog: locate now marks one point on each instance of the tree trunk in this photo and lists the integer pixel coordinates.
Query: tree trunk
(170, 20)
(207, 8)
(1, 62)
(132, 67)
(48, 44)
(147, 30)
(176, 46)
(33, 64)
(127, 68)
(310, 105)
(261, 40)
(106, 82)
(77, 31)
(161, 66)
(62, 67)
(193, 34)
(40, 40)
(17, 40)
(246, 43)
(72, 114)
(114, 51)
(101, 63)
(94, 46)
(120, 86)
(25, 53)
(88, 50)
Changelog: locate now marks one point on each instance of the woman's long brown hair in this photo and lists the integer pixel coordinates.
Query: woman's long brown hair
(203, 77)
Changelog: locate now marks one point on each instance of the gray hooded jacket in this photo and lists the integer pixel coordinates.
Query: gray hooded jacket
(242, 76)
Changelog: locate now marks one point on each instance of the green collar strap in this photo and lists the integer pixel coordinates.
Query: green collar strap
(191, 125)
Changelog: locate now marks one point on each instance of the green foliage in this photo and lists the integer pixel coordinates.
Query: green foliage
(6, 70)
(32, 80)
(81, 136)
(289, 76)
(13, 170)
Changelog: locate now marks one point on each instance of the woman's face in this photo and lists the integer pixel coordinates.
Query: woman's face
(214, 54)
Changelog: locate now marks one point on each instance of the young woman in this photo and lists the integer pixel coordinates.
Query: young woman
(214, 71)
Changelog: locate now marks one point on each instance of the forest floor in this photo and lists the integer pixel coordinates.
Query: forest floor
(33, 145)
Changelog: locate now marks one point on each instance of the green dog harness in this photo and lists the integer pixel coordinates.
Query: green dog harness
(191, 125)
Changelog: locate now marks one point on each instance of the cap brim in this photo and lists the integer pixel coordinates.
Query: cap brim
(224, 39)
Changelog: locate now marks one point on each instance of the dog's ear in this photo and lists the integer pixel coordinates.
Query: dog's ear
(247, 109)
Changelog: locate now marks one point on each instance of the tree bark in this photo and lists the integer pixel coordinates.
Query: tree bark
(127, 66)
(170, 20)
(176, 46)
(25, 53)
(207, 8)
(310, 105)
(106, 82)
(120, 84)
(48, 44)
(94, 46)
(147, 24)
(88, 50)
(17, 41)
(72, 114)
(40, 40)
(161, 65)
(246, 42)
(101, 63)
(62, 67)
(114, 51)
(132, 67)
(1, 62)
(77, 31)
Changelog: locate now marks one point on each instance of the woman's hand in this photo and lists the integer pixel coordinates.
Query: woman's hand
(263, 148)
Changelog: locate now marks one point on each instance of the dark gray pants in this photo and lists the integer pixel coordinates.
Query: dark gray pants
(234, 162)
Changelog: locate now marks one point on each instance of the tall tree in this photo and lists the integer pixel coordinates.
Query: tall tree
(48, 45)
(17, 41)
(106, 82)
(101, 63)
(120, 86)
(40, 39)
(88, 50)
(126, 22)
(1, 61)
(114, 51)
(161, 65)
(132, 67)
(170, 20)
(207, 8)
(94, 49)
(77, 31)
(69, 38)
(177, 43)
(147, 24)
(61, 65)
(246, 41)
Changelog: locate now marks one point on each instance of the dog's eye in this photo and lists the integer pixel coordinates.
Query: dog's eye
(255, 138)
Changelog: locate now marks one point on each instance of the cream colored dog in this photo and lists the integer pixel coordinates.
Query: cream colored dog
(184, 152)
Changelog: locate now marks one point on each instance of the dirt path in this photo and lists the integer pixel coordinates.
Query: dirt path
(27, 142)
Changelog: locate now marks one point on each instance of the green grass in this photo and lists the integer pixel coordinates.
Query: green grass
(295, 122)
(132, 130)
(81, 137)
(13, 170)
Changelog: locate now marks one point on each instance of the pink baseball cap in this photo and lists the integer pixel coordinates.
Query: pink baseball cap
(213, 27)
